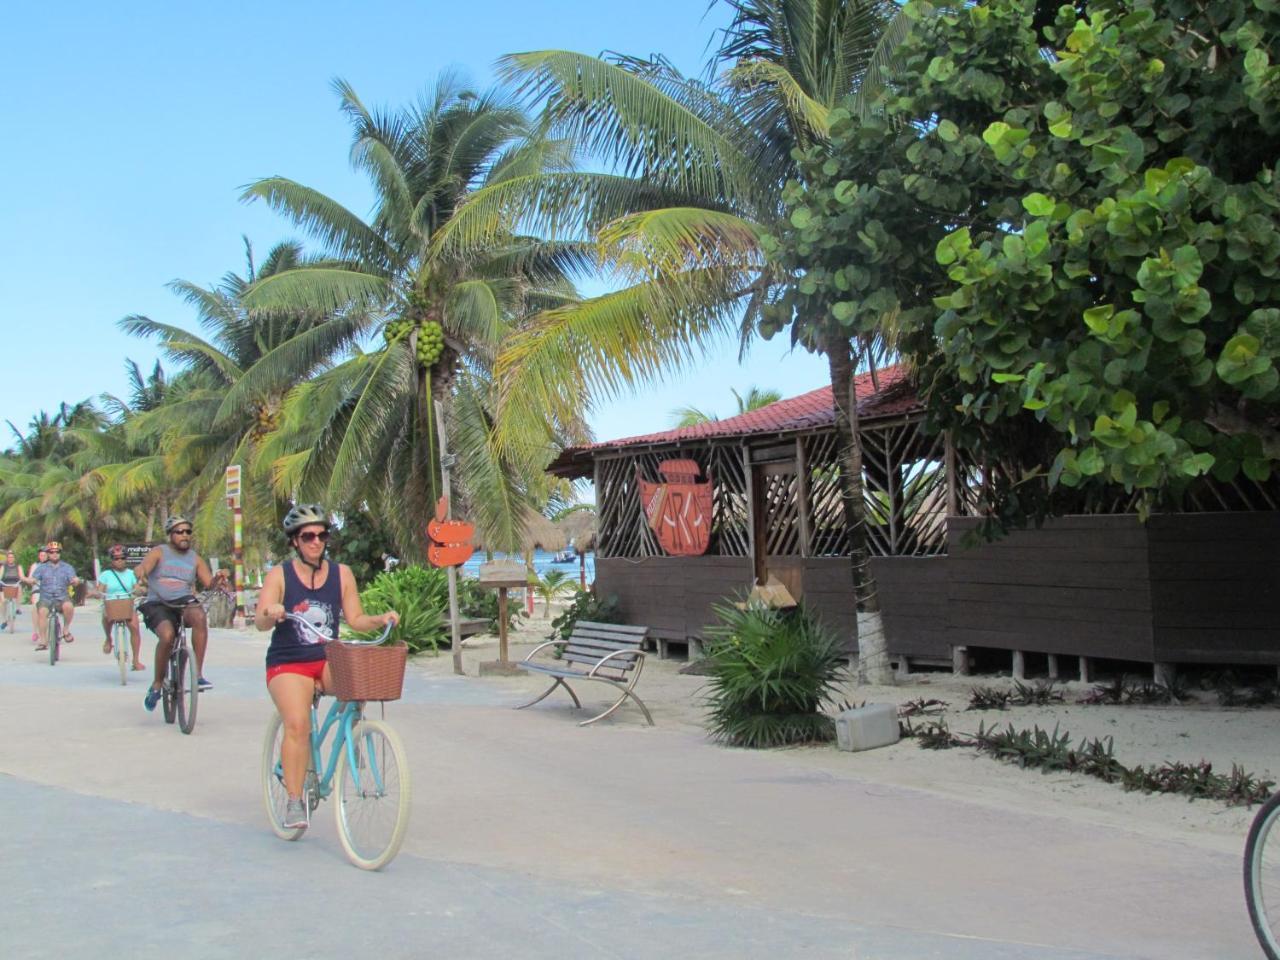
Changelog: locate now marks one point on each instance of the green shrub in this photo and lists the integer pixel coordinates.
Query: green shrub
(770, 674)
(585, 606)
(421, 596)
(476, 602)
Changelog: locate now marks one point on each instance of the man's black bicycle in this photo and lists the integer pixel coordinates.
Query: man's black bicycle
(180, 693)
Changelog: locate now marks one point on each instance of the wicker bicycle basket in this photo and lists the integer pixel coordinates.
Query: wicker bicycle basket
(366, 673)
(116, 610)
(11, 590)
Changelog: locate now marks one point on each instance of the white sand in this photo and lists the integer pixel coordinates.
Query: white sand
(1142, 734)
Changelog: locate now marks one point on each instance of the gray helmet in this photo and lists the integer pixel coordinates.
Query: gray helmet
(175, 521)
(302, 514)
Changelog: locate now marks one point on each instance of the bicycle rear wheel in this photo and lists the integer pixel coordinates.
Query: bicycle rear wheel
(373, 795)
(187, 690)
(120, 638)
(1262, 877)
(274, 793)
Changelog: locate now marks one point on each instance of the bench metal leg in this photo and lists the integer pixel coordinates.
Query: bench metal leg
(626, 692)
(577, 704)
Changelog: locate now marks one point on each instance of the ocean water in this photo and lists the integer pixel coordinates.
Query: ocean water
(541, 563)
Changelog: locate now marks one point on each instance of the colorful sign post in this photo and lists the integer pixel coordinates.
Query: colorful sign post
(233, 501)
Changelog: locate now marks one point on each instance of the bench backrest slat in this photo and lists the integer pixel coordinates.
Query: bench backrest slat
(617, 667)
(591, 641)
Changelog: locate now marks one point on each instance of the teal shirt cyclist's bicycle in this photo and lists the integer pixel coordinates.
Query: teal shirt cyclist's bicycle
(366, 769)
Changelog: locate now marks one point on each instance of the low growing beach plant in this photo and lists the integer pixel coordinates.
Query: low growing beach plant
(421, 596)
(771, 673)
(586, 605)
(1052, 750)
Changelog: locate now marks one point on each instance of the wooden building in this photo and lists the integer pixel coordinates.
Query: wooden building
(1201, 586)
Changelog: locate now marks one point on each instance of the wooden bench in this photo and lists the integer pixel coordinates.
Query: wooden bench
(608, 652)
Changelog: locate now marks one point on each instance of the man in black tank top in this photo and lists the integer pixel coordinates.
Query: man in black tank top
(320, 591)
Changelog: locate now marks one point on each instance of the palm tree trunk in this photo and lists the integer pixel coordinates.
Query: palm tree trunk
(873, 656)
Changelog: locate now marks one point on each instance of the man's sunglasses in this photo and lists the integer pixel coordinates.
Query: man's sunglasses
(52, 552)
(181, 533)
(308, 536)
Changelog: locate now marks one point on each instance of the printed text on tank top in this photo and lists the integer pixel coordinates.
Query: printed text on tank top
(174, 577)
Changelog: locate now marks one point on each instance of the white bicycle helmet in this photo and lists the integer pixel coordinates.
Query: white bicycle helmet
(302, 514)
(175, 521)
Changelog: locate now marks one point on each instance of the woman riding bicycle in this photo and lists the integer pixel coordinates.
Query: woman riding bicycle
(318, 590)
(117, 582)
(11, 578)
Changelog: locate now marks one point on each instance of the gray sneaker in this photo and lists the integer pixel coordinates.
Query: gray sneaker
(295, 814)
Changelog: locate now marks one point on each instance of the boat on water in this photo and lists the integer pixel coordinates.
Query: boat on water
(564, 556)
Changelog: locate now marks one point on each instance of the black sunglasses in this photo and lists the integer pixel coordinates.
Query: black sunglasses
(307, 536)
(182, 533)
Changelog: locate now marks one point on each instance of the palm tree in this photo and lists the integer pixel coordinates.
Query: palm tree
(550, 586)
(696, 180)
(369, 427)
(754, 400)
(227, 398)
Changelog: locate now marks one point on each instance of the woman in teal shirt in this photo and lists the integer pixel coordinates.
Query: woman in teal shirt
(117, 583)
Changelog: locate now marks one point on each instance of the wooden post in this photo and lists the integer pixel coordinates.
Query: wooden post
(1054, 673)
(953, 494)
(502, 624)
(1086, 670)
(802, 495)
(446, 466)
(960, 661)
(1019, 665)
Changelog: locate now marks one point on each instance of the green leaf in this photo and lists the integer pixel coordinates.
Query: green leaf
(1038, 205)
(1007, 377)
(948, 132)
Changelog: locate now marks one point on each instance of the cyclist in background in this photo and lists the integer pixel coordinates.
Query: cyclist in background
(117, 582)
(171, 571)
(10, 576)
(52, 579)
(41, 556)
(319, 591)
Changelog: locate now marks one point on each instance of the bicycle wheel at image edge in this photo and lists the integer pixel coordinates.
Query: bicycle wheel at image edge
(1262, 877)
(373, 798)
(273, 792)
(120, 642)
(187, 690)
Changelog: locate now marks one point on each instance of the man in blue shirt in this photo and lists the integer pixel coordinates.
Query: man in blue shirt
(53, 579)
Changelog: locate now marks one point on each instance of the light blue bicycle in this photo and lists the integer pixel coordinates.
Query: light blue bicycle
(366, 769)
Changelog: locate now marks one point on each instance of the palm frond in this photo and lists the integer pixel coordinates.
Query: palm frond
(325, 290)
(339, 231)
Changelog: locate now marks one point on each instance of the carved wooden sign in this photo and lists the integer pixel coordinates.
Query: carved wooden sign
(450, 539)
(679, 508)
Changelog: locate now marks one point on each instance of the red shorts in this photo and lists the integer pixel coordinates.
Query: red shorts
(307, 668)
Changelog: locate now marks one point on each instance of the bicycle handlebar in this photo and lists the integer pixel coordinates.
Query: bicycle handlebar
(386, 632)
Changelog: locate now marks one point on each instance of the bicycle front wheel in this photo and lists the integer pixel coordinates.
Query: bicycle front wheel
(1262, 877)
(274, 793)
(120, 637)
(187, 690)
(373, 795)
(55, 638)
(11, 614)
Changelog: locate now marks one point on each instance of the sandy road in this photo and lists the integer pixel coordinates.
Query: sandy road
(531, 837)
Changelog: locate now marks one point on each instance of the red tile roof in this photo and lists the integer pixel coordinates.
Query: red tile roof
(809, 411)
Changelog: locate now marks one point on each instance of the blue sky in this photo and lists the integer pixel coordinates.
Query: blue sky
(130, 128)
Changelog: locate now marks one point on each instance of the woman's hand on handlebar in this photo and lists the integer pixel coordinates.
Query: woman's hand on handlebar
(390, 617)
(274, 612)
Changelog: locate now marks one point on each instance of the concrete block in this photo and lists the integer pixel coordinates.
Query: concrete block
(867, 727)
